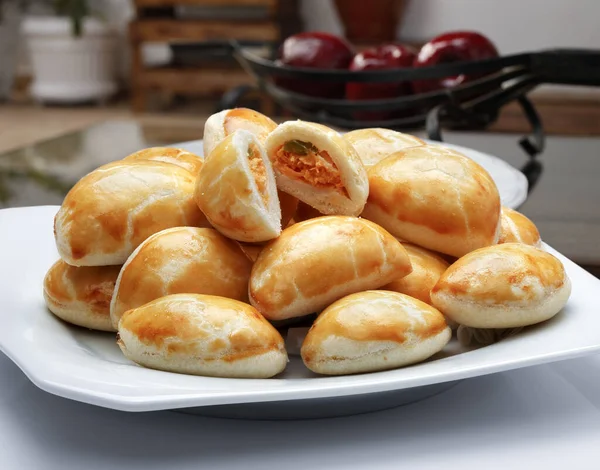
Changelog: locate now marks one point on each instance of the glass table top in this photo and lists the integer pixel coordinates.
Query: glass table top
(565, 203)
(42, 173)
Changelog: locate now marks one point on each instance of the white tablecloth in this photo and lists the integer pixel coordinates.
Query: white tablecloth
(544, 417)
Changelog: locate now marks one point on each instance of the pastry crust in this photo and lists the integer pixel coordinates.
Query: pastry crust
(502, 286)
(202, 335)
(180, 157)
(306, 212)
(436, 198)
(289, 206)
(113, 209)
(236, 190)
(375, 144)
(316, 262)
(177, 261)
(516, 228)
(427, 268)
(251, 250)
(81, 296)
(319, 167)
(371, 331)
(222, 124)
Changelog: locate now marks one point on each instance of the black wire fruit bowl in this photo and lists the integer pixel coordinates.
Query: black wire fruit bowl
(473, 105)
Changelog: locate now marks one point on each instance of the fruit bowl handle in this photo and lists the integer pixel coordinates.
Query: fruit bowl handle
(567, 66)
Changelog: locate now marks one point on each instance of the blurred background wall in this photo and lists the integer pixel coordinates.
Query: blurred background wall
(514, 25)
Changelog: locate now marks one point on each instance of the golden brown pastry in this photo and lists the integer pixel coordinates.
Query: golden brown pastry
(315, 164)
(81, 296)
(374, 144)
(202, 335)
(316, 262)
(502, 286)
(113, 209)
(251, 250)
(225, 123)
(289, 206)
(181, 260)
(427, 267)
(305, 212)
(371, 331)
(436, 198)
(236, 190)
(191, 162)
(516, 228)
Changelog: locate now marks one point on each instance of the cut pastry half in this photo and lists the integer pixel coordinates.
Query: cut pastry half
(236, 190)
(226, 122)
(315, 164)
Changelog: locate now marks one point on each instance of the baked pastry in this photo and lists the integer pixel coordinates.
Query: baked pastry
(516, 228)
(316, 262)
(374, 144)
(226, 122)
(436, 198)
(190, 161)
(427, 267)
(318, 166)
(181, 260)
(202, 335)
(502, 286)
(371, 331)
(113, 209)
(81, 296)
(289, 206)
(236, 190)
(305, 212)
(251, 250)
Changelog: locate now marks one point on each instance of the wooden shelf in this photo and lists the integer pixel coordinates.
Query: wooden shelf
(199, 30)
(157, 22)
(220, 3)
(190, 80)
(572, 118)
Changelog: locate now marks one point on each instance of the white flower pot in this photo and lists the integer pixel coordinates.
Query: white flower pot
(70, 69)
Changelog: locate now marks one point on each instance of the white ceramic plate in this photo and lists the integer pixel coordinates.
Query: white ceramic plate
(89, 367)
(511, 183)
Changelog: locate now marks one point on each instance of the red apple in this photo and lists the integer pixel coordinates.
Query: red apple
(451, 47)
(385, 56)
(317, 50)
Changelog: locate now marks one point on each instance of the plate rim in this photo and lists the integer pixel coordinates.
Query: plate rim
(45, 378)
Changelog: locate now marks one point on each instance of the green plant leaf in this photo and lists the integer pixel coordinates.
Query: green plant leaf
(299, 147)
(76, 10)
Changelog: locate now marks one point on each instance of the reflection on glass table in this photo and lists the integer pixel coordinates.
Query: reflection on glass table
(42, 173)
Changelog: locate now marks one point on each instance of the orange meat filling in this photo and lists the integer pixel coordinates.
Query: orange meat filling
(303, 161)
(257, 167)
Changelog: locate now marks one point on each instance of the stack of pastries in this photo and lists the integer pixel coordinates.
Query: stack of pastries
(201, 265)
